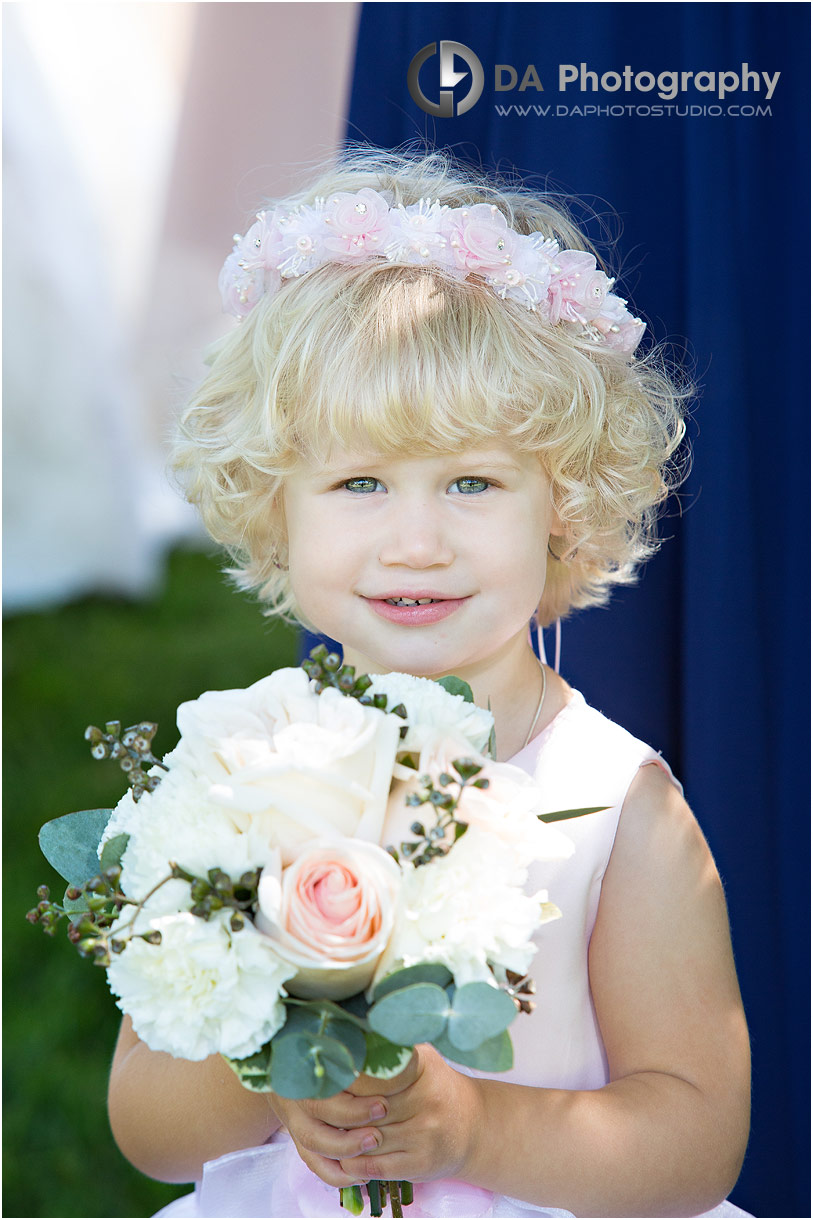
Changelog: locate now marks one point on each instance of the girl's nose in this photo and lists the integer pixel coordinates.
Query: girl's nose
(414, 537)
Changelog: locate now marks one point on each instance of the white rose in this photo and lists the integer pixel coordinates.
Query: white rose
(241, 720)
(507, 808)
(203, 990)
(433, 712)
(465, 909)
(331, 915)
(296, 764)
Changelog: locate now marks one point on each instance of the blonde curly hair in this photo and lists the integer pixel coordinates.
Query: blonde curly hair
(409, 359)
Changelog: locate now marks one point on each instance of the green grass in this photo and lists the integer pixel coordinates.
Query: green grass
(95, 660)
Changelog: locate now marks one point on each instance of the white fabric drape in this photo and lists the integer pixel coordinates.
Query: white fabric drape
(137, 139)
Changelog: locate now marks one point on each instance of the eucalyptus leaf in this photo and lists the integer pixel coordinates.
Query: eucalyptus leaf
(564, 815)
(70, 843)
(113, 851)
(456, 686)
(493, 1055)
(412, 1014)
(254, 1072)
(318, 1020)
(424, 972)
(479, 1012)
(310, 1065)
(385, 1059)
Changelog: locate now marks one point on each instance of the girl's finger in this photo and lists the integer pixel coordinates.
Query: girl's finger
(348, 1111)
(329, 1171)
(327, 1141)
(391, 1166)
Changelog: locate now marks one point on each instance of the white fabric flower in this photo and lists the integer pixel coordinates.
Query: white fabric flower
(433, 712)
(467, 909)
(204, 990)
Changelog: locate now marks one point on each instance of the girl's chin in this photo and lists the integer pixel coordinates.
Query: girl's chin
(406, 661)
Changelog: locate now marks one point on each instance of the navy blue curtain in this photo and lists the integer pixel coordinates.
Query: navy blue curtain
(708, 657)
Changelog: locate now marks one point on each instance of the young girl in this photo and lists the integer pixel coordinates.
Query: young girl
(429, 430)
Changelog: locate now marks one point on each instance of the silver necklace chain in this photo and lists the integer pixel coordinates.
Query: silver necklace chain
(538, 706)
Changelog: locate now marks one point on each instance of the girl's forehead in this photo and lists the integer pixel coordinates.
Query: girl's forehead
(493, 453)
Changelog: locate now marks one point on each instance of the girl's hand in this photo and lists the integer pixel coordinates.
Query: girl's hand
(427, 1131)
(345, 1125)
(413, 1127)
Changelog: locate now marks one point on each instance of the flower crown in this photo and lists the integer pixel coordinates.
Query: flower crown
(561, 286)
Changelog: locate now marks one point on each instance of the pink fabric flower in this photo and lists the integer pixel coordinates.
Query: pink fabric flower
(240, 289)
(250, 270)
(302, 242)
(617, 326)
(527, 277)
(331, 915)
(480, 237)
(578, 289)
(357, 225)
(416, 235)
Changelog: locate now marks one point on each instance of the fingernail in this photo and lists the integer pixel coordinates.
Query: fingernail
(368, 1143)
(377, 1111)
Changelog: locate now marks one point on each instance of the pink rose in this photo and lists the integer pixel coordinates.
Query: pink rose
(331, 915)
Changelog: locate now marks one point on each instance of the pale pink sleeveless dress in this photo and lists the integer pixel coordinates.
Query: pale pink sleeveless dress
(580, 759)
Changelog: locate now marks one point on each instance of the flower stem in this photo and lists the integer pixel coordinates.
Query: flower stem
(374, 1191)
(351, 1199)
(395, 1198)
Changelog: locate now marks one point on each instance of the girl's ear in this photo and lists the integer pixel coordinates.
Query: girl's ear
(556, 530)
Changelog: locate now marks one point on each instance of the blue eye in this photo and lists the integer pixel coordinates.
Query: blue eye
(471, 485)
(364, 484)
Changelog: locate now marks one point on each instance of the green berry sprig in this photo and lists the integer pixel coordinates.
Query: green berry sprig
(435, 842)
(88, 928)
(217, 890)
(133, 752)
(326, 669)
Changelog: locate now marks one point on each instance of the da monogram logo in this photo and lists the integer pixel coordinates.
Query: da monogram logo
(445, 107)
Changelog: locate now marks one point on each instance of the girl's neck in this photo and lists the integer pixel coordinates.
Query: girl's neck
(513, 696)
(511, 686)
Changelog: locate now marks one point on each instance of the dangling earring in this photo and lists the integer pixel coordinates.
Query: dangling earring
(281, 567)
(566, 557)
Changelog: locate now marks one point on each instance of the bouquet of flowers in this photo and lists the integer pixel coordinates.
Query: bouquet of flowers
(327, 870)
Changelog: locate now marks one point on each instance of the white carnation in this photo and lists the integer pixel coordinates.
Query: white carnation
(433, 712)
(180, 823)
(467, 909)
(204, 990)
